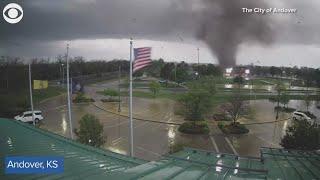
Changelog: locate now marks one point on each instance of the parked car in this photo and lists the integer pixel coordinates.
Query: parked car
(299, 115)
(27, 117)
(162, 81)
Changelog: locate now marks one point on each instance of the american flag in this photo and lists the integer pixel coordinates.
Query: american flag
(141, 58)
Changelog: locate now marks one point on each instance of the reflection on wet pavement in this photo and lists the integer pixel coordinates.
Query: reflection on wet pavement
(151, 140)
(269, 134)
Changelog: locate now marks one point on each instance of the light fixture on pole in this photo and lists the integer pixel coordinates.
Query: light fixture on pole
(119, 89)
(198, 60)
(62, 65)
(68, 93)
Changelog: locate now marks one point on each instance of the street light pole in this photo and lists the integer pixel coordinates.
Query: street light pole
(175, 72)
(198, 61)
(30, 88)
(69, 98)
(119, 89)
(62, 65)
(198, 56)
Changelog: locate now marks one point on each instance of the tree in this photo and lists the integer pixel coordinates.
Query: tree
(302, 135)
(155, 69)
(307, 100)
(279, 87)
(196, 103)
(210, 86)
(235, 107)
(181, 74)
(167, 72)
(284, 99)
(238, 80)
(317, 77)
(206, 83)
(90, 131)
(154, 87)
(274, 71)
(213, 70)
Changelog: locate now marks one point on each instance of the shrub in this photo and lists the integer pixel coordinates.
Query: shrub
(80, 98)
(234, 128)
(90, 131)
(194, 127)
(110, 92)
(302, 135)
(109, 100)
(154, 87)
(221, 125)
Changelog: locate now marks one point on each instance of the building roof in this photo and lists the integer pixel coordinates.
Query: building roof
(85, 162)
(80, 161)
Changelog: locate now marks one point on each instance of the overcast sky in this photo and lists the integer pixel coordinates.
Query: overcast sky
(100, 29)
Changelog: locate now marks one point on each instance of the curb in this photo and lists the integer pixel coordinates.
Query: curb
(140, 119)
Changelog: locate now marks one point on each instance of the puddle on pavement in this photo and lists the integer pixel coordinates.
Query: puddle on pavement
(151, 140)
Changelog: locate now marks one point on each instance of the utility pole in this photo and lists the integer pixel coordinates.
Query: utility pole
(175, 72)
(198, 62)
(119, 89)
(62, 65)
(130, 103)
(198, 58)
(30, 88)
(69, 98)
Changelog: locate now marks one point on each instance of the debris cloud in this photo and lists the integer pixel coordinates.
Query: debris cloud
(223, 26)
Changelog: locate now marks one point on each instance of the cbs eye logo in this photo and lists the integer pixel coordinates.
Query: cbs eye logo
(12, 13)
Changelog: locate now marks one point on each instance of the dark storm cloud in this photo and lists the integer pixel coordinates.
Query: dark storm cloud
(47, 21)
(80, 19)
(225, 27)
(301, 27)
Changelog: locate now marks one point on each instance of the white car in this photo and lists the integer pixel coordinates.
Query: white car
(27, 117)
(298, 115)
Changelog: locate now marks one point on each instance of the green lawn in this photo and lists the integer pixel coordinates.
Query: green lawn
(218, 98)
(144, 94)
(12, 103)
(42, 94)
(145, 84)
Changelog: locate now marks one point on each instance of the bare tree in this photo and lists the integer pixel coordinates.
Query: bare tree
(235, 107)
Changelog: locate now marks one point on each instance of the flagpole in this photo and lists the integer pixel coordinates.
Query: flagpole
(130, 103)
(30, 88)
(68, 93)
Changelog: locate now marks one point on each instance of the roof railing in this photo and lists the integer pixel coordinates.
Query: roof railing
(219, 165)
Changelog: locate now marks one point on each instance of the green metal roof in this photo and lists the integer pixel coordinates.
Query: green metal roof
(80, 161)
(199, 164)
(85, 162)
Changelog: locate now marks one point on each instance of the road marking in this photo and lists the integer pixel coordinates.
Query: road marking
(214, 144)
(229, 143)
(273, 144)
(146, 150)
(116, 141)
